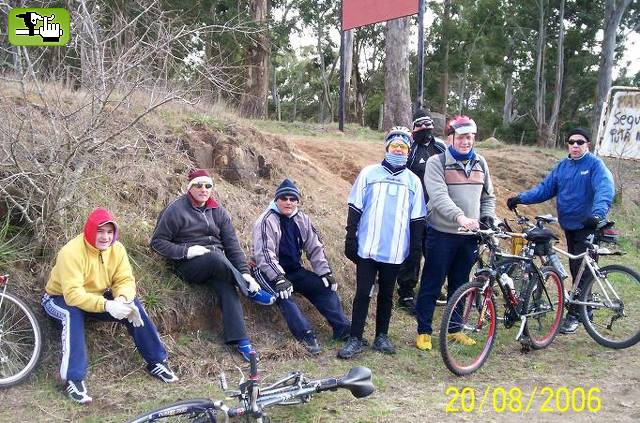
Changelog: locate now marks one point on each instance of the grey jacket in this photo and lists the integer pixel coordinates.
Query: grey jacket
(182, 225)
(266, 244)
(453, 193)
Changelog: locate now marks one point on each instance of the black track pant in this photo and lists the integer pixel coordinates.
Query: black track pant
(366, 272)
(575, 245)
(210, 269)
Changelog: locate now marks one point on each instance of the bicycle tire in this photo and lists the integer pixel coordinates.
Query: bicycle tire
(544, 303)
(471, 305)
(20, 340)
(198, 410)
(601, 321)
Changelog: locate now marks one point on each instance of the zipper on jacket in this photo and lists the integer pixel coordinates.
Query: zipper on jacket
(204, 215)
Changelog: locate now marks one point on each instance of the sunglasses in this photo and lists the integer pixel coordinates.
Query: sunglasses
(290, 199)
(399, 145)
(579, 142)
(202, 184)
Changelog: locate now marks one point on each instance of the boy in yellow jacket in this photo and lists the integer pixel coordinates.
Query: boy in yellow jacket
(92, 278)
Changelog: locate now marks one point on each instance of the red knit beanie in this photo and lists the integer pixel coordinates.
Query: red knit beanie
(199, 175)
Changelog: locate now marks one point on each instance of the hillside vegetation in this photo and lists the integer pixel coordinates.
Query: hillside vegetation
(144, 168)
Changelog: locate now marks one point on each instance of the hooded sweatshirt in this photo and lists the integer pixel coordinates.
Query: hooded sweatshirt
(82, 273)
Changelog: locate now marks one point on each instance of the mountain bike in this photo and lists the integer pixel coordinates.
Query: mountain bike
(532, 296)
(294, 388)
(609, 301)
(20, 338)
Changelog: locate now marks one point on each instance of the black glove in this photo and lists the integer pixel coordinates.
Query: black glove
(488, 222)
(416, 231)
(351, 249)
(329, 281)
(283, 287)
(512, 202)
(591, 222)
(351, 240)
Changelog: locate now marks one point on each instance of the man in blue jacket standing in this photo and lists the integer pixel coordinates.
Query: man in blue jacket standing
(584, 189)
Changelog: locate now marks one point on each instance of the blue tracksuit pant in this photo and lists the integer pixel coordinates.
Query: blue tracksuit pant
(74, 349)
(448, 256)
(326, 301)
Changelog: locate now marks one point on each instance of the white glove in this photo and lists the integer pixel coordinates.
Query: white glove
(134, 315)
(116, 309)
(195, 251)
(253, 285)
(120, 299)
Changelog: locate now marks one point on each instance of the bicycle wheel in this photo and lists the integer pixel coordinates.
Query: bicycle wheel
(199, 410)
(20, 340)
(542, 304)
(471, 313)
(614, 323)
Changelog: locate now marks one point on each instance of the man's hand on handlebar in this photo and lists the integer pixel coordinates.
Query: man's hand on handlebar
(468, 224)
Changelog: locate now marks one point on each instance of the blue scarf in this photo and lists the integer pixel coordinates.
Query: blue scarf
(462, 157)
(395, 160)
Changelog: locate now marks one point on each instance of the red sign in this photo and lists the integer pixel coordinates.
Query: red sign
(357, 13)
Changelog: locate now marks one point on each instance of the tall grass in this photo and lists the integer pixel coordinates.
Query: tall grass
(11, 251)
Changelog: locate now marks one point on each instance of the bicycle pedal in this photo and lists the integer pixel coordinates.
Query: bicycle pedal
(525, 346)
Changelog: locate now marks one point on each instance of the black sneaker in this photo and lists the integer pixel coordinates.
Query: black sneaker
(162, 371)
(442, 299)
(408, 304)
(569, 324)
(352, 347)
(310, 343)
(77, 391)
(383, 344)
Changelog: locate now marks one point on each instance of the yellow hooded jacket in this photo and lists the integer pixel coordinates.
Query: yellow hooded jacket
(82, 273)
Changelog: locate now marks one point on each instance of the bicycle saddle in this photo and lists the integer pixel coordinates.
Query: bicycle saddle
(540, 235)
(358, 381)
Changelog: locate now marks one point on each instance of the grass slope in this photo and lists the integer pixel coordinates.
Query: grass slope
(411, 386)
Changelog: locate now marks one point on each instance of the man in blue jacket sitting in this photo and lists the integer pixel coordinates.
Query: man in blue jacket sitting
(584, 189)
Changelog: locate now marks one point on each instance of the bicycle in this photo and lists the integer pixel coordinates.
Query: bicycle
(472, 311)
(20, 338)
(608, 318)
(292, 389)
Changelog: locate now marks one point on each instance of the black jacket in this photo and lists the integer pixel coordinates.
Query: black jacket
(181, 225)
(418, 156)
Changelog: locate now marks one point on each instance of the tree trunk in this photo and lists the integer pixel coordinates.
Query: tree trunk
(348, 69)
(557, 92)
(253, 102)
(541, 126)
(17, 61)
(275, 95)
(397, 99)
(91, 53)
(507, 108)
(445, 59)
(324, 96)
(358, 86)
(613, 11)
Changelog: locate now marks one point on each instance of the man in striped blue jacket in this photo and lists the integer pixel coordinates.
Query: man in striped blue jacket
(384, 226)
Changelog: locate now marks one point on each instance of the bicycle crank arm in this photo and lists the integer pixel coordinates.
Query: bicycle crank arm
(522, 325)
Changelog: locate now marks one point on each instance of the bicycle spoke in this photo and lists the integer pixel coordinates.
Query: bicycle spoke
(20, 341)
(543, 305)
(467, 329)
(613, 311)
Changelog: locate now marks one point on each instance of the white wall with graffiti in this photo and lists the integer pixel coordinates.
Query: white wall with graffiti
(621, 136)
